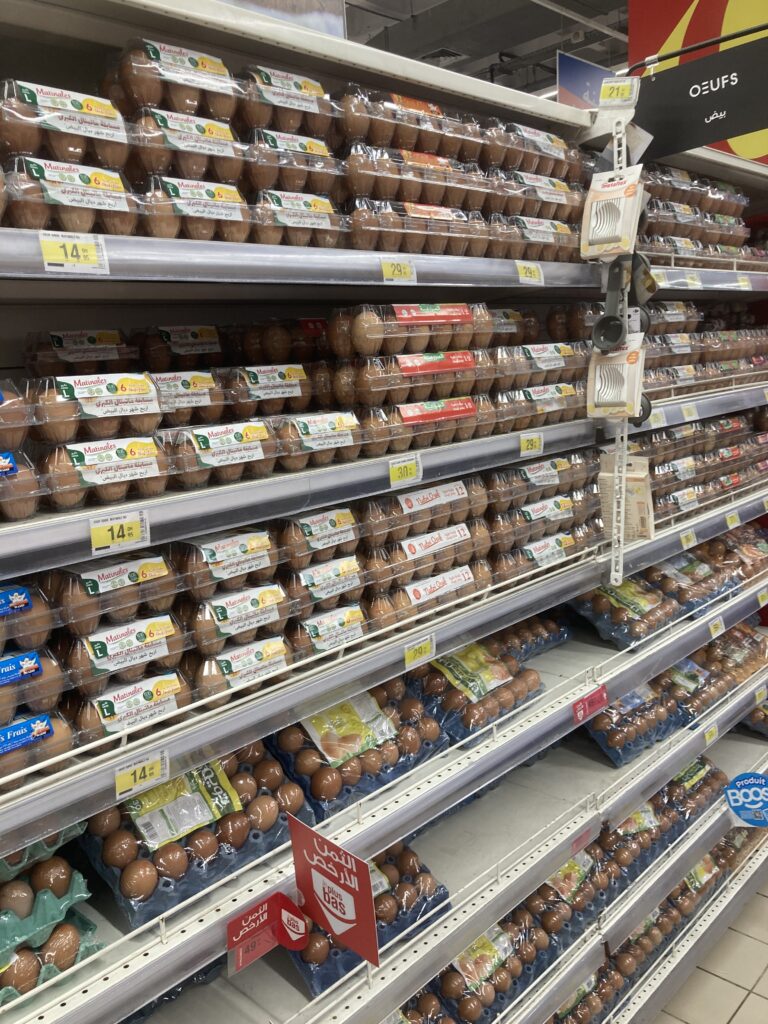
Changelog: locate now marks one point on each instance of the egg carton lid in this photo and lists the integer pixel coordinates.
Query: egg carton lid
(170, 63)
(101, 462)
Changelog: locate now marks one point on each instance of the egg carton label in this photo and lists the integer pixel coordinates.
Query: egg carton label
(698, 877)
(473, 671)
(548, 357)
(22, 733)
(285, 142)
(349, 728)
(282, 89)
(229, 443)
(236, 554)
(672, 312)
(684, 469)
(124, 707)
(436, 313)
(683, 372)
(250, 662)
(423, 159)
(246, 609)
(503, 318)
(682, 211)
(685, 569)
(194, 134)
(275, 381)
(540, 473)
(435, 362)
(335, 628)
(543, 141)
(296, 209)
(210, 200)
(549, 550)
(641, 820)
(549, 397)
(686, 499)
(683, 246)
(396, 1017)
(413, 547)
(484, 956)
(191, 340)
(634, 699)
(535, 234)
(18, 667)
(98, 578)
(8, 465)
(74, 112)
(379, 884)
(14, 600)
(78, 346)
(419, 106)
(683, 431)
(440, 494)
(680, 343)
(180, 389)
(326, 529)
(573, 1001)
(331, 578)
(437, 586)
(326, 430)
(689, 675)
(173, 809)
(431, 412)
(729, 453)
(567, 879)
(114, 394)
(638, 600)
(538, 181)
(549, 508)
(121, 646)
(106, 462)
(188, 67)
(425, 212)
(70, 185)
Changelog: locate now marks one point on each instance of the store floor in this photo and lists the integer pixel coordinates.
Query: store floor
(731, 985)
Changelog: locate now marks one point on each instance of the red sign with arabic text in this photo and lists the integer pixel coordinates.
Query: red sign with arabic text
(336, 889)
(586, 707)
(442, 313)
(264, 925)
(435, 362)
(442, 409)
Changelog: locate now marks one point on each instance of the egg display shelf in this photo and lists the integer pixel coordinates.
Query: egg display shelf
(45, 805)
(646, 999)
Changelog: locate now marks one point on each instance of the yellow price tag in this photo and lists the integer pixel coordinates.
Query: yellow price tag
(660, 277)
(64, 252)
(732, 520)
(688, 539)
(689, 411)
(711, 735)
(743, 282)
(531, 444)
(119, 531)
(529, 273)
(407, 469)
(762, 597)
(618, 92)
(765, 504)
(420, 651)
(141, 773)
(398, 271)
(658, 418)
(760, 695)
(692, 279)
(716, 627)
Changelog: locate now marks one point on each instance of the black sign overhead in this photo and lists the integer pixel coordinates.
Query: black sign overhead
(706, 100)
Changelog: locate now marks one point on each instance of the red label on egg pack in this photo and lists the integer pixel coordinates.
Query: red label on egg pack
(586, 707)
(335, 889)
(435, 313)
(445, 409)
(312, 328)
(262, 926)
(430, 159)
(409, 103)
(435, 362)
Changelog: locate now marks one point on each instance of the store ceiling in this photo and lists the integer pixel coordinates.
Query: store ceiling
(510, 41)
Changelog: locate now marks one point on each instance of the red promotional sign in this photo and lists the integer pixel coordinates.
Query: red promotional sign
(270, 922)
(586, 707)
(336, 889)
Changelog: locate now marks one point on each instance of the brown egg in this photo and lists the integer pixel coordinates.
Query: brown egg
(58, 742)
(105, 822)
(233, 829)
(391, 872)
(408, 741)
(292, 739)
(17, 897)
(351, 771)
(626, 964)
(452, 985)
(326, 783)
(171, 861)
(251, 754)
(138, 880)
(22, 972)
(262, 813)
(470, 1008)
(425, 883)
(245, 786)
(203, 844)
(370, 762)
(268, 773)
(385, 906)
(62, 947)
(290, 797)
(120, 848)
(53, 873)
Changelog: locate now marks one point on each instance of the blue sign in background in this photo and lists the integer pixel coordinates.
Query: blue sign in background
(747, 796)
(579, 81)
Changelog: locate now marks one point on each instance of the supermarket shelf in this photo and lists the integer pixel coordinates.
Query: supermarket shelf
(696, 279)
(673, 411)
(646, 999)
(60, 539)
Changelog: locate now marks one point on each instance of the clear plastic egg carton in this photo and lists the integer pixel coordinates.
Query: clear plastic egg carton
(199, 210)
(537, 406)
(531, 521)
(673, 350)
(390, 519)
(163, 348)
(28, 616)
(548, 240)
(237, 616)
(672, 219)
(23, 486)
(282, 101)
(82, 351)
(45, 193)
(104, 471)
(410, 328)
(30, 741)
(417, 377)
(200, 455)
(536, 481)
(671, 317)
(515, 147)
(295, 218)
(58, 124)
(417, 228)
(417, 425)
(33, 678)
(292, 163)
(670, 184)
(549, 198)
(721, 229)
(532, 365)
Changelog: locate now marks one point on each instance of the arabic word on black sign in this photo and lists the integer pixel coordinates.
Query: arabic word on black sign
(706, 100)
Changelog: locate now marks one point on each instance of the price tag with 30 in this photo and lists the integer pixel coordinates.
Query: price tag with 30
(405, 469)
(529, 273)
(66, 253)
(119, 531)
(141, 773)
(420, 651)
(398, 271)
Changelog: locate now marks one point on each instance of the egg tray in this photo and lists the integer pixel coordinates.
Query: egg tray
(757, 720)
(631, 750)
(669, 184)
(319, 977)
(707, 581)
(59, 737)
(88, 947)
(368, 783)
(412, 328)
(39, 693)
(537, 481)
(39, 850)
(619, 634)
(47, 911)
(199, 876)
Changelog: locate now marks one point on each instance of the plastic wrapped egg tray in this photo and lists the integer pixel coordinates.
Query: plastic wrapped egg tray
(404, 891)
(627, 613)
(70, 942)
(635, 723)
(15, 864)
